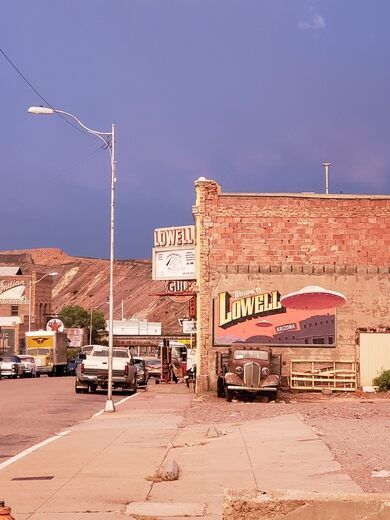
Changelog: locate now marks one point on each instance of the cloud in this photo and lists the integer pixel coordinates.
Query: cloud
(314, 22)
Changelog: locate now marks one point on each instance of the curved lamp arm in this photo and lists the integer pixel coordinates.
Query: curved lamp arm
(48, 111)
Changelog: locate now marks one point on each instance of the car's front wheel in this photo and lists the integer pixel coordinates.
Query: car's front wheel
(229, 395)
(220, 387)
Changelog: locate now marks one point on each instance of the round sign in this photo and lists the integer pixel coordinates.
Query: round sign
(55, 325)
(177, 290)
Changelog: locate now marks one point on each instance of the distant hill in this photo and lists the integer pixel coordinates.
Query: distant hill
(85, 281)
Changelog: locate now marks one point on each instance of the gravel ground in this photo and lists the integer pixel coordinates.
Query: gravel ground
(355, 427)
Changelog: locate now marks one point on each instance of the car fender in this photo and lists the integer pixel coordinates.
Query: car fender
(271, 380)
(233, 379)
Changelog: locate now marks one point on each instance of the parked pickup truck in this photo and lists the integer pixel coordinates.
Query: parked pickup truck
(248, 370)
(93, 371)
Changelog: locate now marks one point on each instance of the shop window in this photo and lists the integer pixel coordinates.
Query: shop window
(14, 310)
(330, 340)
(319, 341)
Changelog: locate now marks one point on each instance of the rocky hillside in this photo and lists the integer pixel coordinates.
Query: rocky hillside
(85, 282)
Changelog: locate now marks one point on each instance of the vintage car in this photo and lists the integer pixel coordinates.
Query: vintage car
(11, 366)
(30, 367)
(248, 370)
(142, 371)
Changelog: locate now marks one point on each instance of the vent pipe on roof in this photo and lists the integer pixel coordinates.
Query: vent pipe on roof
(326, 164)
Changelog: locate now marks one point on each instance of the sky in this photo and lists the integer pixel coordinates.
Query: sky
(255, 94)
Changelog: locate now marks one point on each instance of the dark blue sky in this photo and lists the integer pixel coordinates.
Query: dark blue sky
(255, 94)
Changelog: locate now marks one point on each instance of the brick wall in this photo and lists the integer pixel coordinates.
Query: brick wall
(340, 242)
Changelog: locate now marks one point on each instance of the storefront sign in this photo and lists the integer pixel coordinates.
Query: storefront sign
(76, 337)
(180, 291)
(12, 292)
(174, 264)
(174, 236)
(242, 320)
(7, 340)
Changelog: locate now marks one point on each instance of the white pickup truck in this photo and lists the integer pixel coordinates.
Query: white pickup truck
(93, 371)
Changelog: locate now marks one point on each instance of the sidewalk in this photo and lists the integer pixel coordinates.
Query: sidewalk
(99, 469)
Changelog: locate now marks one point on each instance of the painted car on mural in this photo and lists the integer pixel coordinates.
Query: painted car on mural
(248, 370)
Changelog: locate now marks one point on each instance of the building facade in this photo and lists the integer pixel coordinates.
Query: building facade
(254, 250)
(25, 303)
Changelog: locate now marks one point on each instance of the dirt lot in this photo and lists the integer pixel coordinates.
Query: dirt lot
(356, 427)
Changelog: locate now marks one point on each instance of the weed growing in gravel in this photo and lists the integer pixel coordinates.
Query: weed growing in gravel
(383, 381)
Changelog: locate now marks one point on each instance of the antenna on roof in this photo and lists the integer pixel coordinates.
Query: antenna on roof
(326, 164)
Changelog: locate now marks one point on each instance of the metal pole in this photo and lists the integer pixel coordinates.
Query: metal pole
(326, 164)
(29, 306)
(109, 407)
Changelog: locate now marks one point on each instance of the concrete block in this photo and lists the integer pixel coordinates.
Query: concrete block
(169, 470)
(300, 505)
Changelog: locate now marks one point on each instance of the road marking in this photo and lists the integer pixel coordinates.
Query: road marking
(33, 448)
(26, 452)
(117, 404)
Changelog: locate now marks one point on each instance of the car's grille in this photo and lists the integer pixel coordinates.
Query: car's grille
(252, 375)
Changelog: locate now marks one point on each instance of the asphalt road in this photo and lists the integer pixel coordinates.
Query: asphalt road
(31, 410)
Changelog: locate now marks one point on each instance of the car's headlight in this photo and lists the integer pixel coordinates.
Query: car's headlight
(239, 370)
(141, 372)
(265, 371)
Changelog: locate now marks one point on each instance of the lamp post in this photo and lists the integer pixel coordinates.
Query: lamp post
(108, 139)
(29, 299)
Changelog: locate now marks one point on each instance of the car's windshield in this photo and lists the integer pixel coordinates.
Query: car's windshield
(13, 359)
(153, 362)
(251, 354)
(28, 359)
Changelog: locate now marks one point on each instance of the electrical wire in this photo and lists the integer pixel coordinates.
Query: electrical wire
(61, 172)
(36, 92)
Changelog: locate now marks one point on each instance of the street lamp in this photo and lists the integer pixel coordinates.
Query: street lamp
(108, 139)
(29, 299)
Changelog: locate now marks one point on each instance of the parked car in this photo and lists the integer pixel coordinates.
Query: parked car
(142, 371)
(72, 365)
(11, 366)
(30, 367)
(153, 366)
(93, 371)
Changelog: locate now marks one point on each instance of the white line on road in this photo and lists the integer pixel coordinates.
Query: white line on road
(33, 448)
(26, 452)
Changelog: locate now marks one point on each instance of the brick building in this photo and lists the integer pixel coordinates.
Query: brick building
(25, 300)
(253, 249)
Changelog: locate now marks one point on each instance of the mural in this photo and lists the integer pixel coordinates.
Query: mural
(305, 317)
(13, 292)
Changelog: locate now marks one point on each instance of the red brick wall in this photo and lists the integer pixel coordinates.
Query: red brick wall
(249, 240)
(297, 229)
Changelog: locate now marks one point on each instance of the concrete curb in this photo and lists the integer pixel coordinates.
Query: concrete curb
(252, 504)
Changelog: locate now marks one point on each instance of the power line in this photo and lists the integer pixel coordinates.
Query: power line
(36, 92)
(61, 172)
